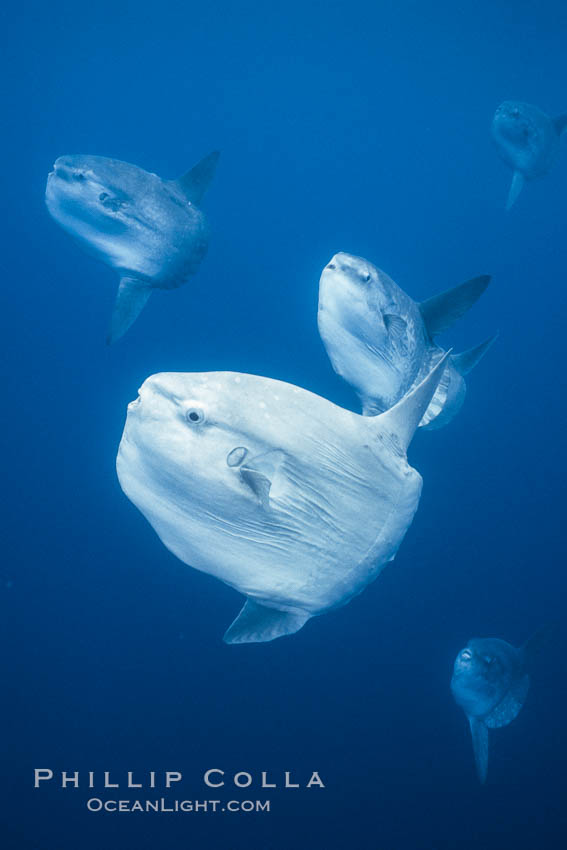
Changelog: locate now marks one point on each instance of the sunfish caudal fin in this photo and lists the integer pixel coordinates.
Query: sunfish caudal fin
(479, 734)
(467, 360)
(441, 311)
(400, 422)
(130, 299)
(560, 123)
(518, 181)
(195, 183)
(256, 624)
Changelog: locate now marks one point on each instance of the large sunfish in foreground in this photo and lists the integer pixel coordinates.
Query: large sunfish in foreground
(382, 342)
(527, 140)
(490, 683)
(293, 501)
(150, 230)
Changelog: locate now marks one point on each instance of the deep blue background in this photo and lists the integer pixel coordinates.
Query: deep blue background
(353, 126)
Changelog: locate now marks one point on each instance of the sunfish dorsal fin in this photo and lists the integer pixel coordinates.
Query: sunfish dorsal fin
(479, 734)
(257, 624)
(130, 299)
(259, 473)
(518, 181)
(401, 420)
(467, 360)
(195, 183)
(560, 123)
(441, 311)
(536, 644)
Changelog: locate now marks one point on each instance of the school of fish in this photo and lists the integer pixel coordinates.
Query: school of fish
(294, 502)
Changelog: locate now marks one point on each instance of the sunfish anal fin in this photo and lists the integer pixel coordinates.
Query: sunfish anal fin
(259, 472)
(479, 734)
(467, 360)
(195, 183)
(130, 299)
(518, 181)
(441, 311)
(257, 624)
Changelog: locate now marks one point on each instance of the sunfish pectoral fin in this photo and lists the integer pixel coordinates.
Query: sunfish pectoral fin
(257, 624)
(467, 360)
(259, 473)
(441, 311)
(479, 734)
(130, 299)
(195, 183)
(518, 181)
(395, 325)
(402, 420)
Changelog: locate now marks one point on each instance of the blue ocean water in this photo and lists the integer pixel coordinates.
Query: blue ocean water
(359, 127)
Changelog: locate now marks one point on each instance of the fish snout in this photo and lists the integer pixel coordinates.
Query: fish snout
(163, 390)
(65, 169)
(339, 262)
(355, 269)
(465, 660)
(151, 402)
(157, 385)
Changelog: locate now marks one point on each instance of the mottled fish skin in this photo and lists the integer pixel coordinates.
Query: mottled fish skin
(151, 231)
(526, 138)
(378, 342)
(295, 502)
(490, 684)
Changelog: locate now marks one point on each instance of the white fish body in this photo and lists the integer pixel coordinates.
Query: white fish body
(151, 231)
(527, 140)
(490, 683)
(293, 501)
(382, 342)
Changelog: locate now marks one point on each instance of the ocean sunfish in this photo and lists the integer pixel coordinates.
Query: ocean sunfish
(490, 683)
(293, 501)
(150, 230)
(527, 140)
(382, 342)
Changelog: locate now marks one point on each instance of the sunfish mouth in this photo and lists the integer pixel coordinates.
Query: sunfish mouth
(65, 171)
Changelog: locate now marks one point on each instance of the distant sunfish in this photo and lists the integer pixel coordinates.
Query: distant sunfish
(293, 501)
(382, 342)
(490, 683)
(150, 230)
(527, 140)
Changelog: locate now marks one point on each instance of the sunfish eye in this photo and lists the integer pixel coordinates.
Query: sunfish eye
(103, 196)
(80, 175)
(236, 456)
(194, 415)
(366, 278)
